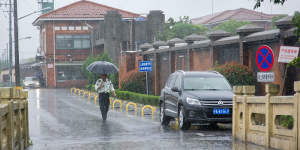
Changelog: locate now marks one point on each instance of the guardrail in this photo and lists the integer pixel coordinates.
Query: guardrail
(271, 121)
(14, 133)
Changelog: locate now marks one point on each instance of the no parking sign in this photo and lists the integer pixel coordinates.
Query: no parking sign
(264, 58)
(265, 61)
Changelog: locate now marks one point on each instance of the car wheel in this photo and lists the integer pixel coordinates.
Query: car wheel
(182, 123)
(164, 120)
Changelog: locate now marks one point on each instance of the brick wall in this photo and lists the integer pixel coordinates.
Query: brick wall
(124, 74)
(50, 77)
(200, 60)
(71, 83)
(201, 55)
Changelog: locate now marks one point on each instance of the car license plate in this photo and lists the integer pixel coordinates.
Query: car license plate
(221, 111)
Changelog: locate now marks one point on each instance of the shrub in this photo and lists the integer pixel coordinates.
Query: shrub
(295, 62)
(287, 121)
(236, 74)
(138, 98)
(136, 83)
(93, 77)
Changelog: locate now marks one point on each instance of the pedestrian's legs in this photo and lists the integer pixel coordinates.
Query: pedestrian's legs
(107, 102)
(102, 105)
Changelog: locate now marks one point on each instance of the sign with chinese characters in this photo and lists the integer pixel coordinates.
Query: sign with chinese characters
(287, 54)
(145, 66)
(265, 76)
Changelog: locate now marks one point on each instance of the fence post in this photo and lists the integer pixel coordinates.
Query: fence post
(238, 90)
(10, 126)
(297, 98)
(6, 96)
(271, 90)
(247, 91)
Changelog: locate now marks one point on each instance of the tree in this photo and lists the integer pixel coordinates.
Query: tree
(185, 20)
(230, 26)
(258, 2)
(180, 29)
(296, 21)
(93, 77)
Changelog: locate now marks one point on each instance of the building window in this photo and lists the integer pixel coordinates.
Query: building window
(64, 28)
(78, 28)
(57, 28)
(72, 41)
(68, 72)
(85, 28)
(71, 27)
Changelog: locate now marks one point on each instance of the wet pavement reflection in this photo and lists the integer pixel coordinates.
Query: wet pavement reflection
(61, 121)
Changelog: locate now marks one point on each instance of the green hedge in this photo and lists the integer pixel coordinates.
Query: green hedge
(138, 98)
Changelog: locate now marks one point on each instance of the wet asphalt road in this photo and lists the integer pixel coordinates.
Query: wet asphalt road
(59, 121)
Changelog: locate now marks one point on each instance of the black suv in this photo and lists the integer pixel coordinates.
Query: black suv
(196, 97)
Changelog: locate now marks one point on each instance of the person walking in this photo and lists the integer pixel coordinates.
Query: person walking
(104, 86)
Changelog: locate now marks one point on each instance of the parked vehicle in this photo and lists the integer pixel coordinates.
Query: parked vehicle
(31, 82)
(196, 97)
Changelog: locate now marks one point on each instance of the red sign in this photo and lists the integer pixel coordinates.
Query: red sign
(264, 58)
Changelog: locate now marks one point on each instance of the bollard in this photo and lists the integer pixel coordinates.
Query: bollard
(117, 101)
(95, 99)
(89, 96)
(148, 106)
(131, 103)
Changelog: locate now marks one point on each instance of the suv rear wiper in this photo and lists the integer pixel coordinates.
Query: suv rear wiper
(212, 89)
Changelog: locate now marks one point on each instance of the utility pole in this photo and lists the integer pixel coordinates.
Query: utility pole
(10, 43)
(17, 67)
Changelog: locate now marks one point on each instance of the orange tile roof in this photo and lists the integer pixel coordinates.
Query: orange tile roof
(83, 9)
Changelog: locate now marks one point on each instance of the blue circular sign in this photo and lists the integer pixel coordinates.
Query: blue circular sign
(264, 58)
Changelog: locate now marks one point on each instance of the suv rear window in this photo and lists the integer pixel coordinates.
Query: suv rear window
(171, 80)
(205, 83)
